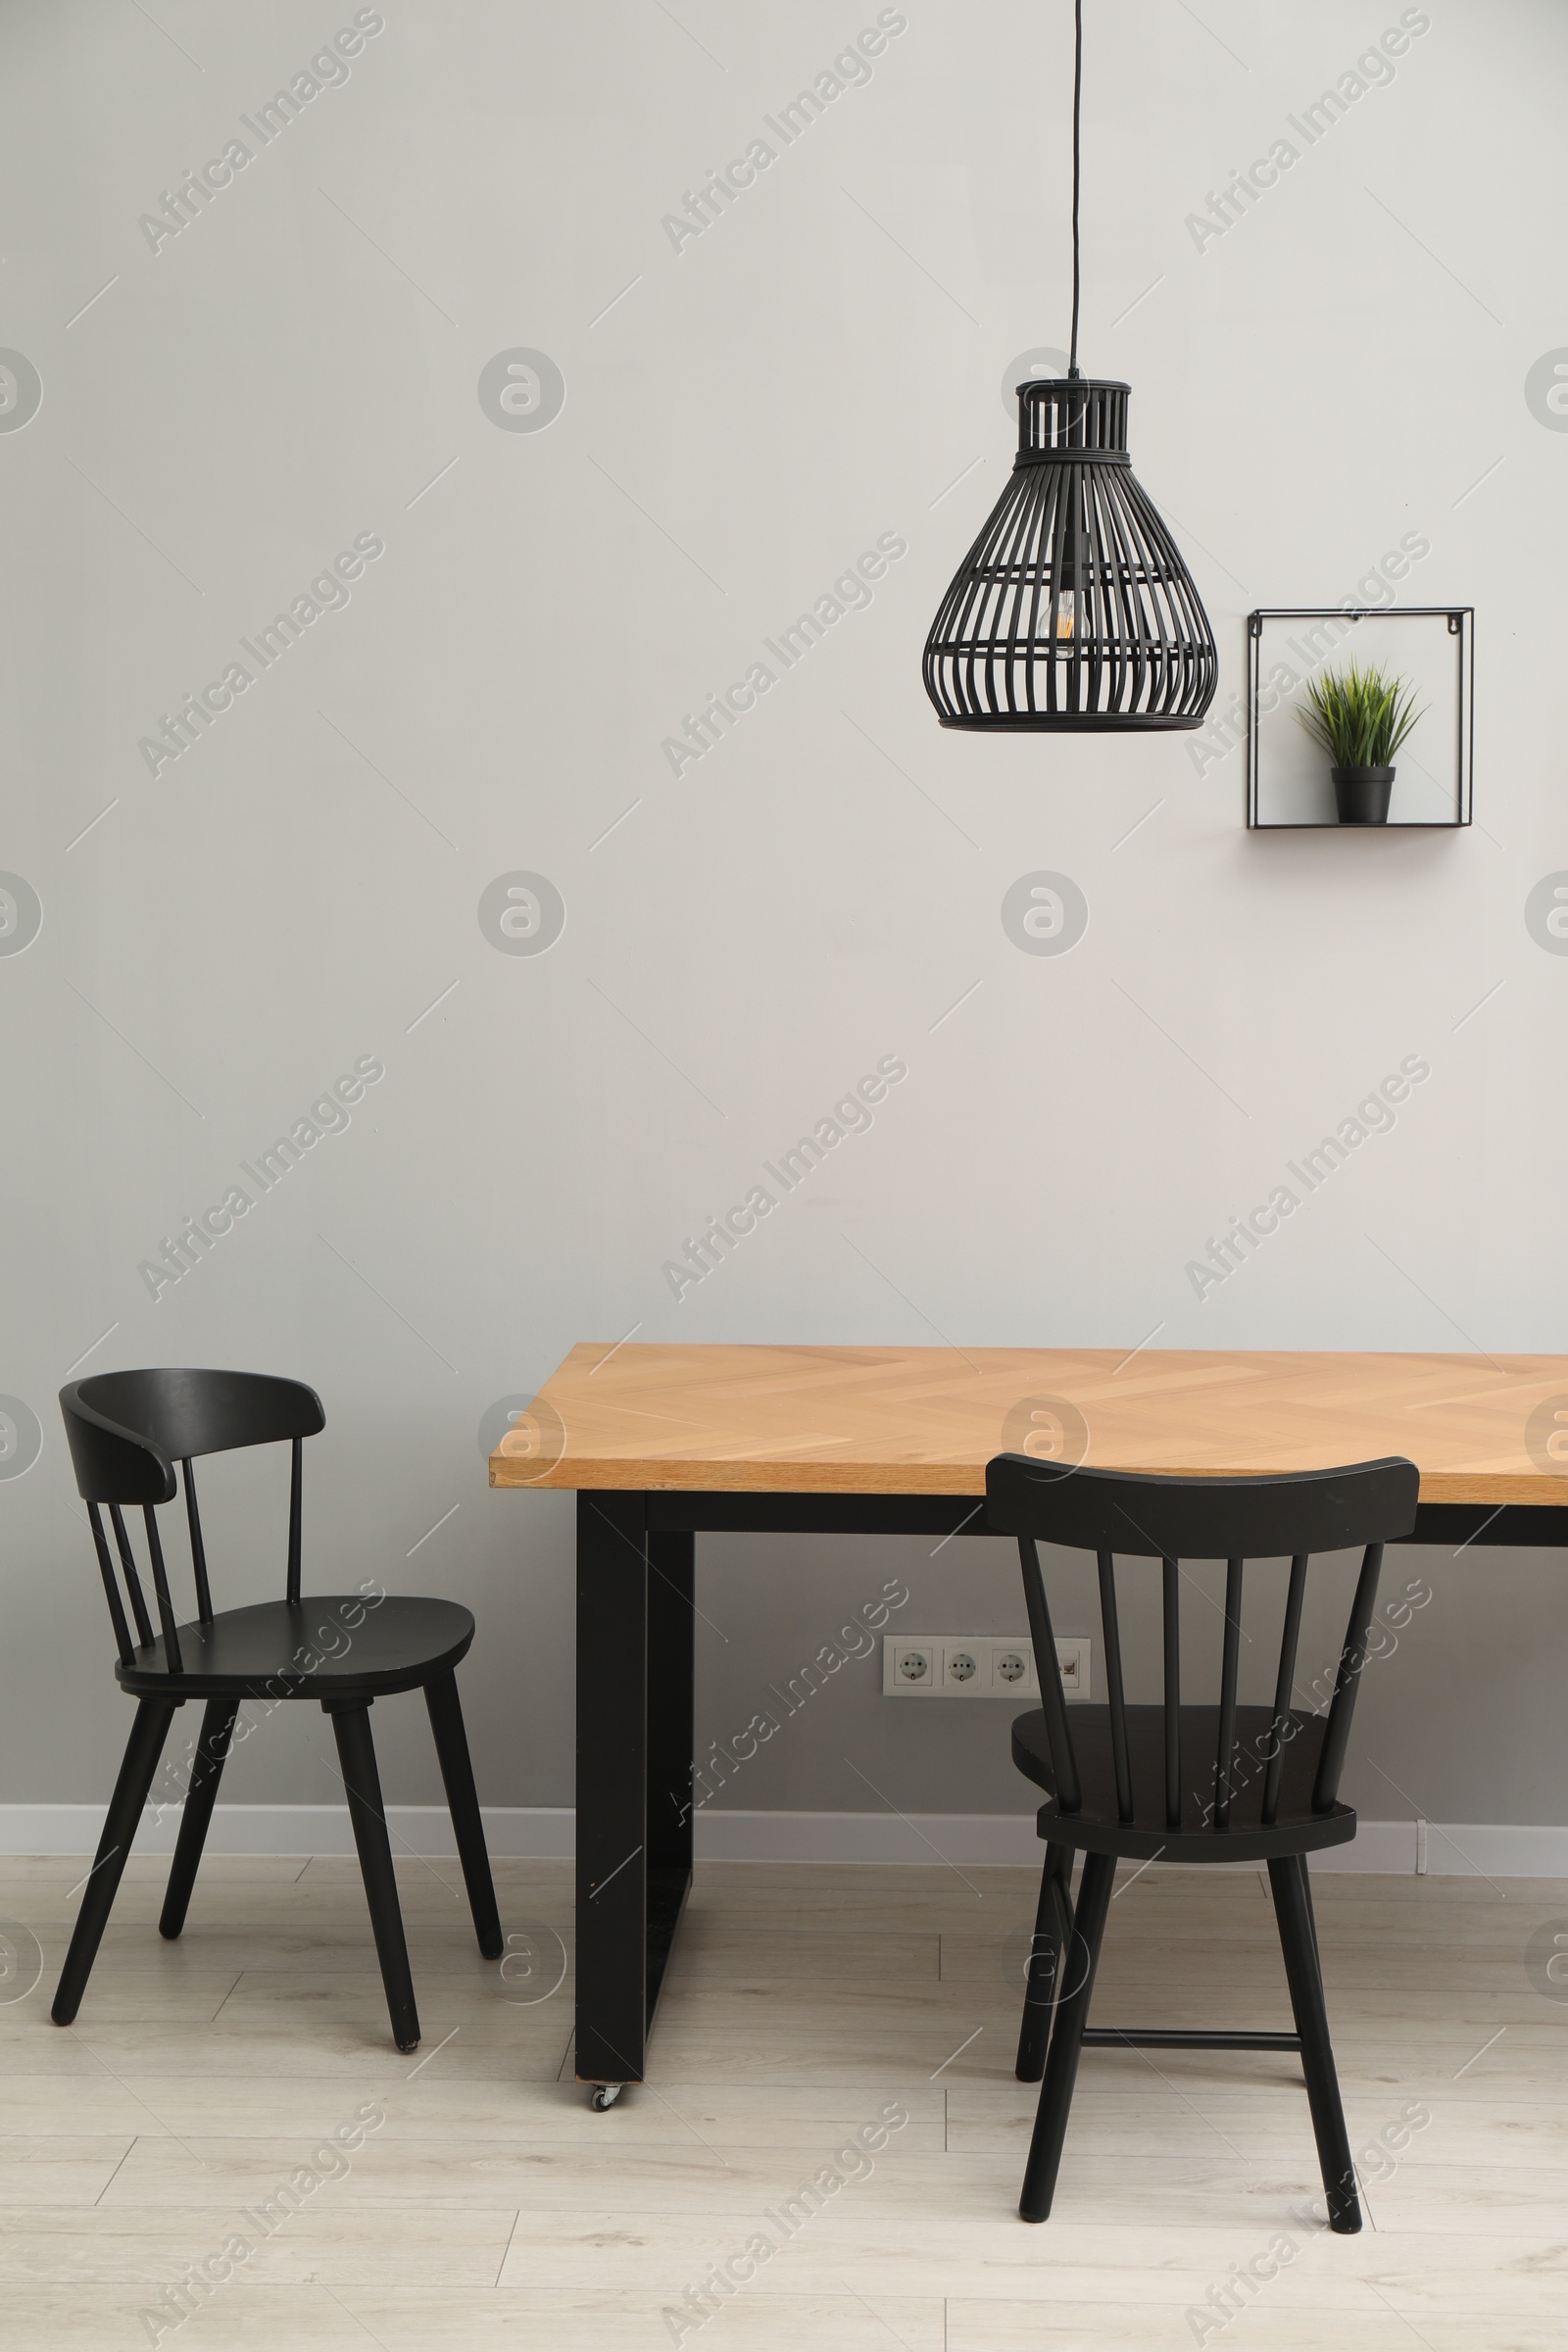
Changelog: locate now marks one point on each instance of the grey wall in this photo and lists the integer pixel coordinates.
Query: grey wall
(301, 366)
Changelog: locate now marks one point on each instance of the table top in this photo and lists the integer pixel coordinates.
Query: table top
(926, 1420)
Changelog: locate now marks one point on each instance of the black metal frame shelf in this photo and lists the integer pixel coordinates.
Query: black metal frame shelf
(1461, 628)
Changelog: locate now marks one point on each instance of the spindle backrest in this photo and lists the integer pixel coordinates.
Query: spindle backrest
(127, 1430)
(1365, 1504)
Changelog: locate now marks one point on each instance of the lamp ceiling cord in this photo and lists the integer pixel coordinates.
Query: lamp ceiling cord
(1077, 95)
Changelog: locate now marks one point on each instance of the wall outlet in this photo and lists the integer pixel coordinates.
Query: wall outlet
(977, 1666)
(909, 1668)
(1072, 1654)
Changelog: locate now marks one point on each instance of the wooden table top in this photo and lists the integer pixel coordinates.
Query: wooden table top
(926, 1420)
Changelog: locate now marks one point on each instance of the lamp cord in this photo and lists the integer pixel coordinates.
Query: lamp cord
(1077, 94)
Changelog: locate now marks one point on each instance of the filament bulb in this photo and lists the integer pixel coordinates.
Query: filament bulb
(1056, 617)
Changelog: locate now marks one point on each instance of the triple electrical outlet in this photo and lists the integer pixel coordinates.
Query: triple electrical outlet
(977, 1666)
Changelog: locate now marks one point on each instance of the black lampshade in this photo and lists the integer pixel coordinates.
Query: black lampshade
(1074, 609)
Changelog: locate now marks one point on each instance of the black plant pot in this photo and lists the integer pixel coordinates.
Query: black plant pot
(1362, 794)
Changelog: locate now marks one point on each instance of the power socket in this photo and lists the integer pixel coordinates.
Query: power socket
(963, 1668)
(977, 1666)
(1012, 1668)
(909, 1669)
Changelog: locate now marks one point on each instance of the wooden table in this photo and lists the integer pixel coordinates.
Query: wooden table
(662, 1443)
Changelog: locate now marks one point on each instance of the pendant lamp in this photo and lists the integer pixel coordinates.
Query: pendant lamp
(1073, 611)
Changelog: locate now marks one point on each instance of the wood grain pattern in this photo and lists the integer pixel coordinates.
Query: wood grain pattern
(926, 1420)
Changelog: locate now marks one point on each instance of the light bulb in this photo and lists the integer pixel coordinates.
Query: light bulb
(1066, 609)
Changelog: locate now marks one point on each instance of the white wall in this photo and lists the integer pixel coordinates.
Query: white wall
(300, 365)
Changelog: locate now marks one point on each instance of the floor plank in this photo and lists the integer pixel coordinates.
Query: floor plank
(488, 2206)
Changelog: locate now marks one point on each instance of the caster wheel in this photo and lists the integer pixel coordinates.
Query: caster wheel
(603, 2095)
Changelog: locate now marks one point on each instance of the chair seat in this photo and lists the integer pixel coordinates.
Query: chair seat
(266, 1651)
(1095, 1829)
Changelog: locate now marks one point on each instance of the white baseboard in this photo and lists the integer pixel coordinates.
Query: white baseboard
(725, 1835)
(538, 1832)
(1453, 1849)
(1457, 1849)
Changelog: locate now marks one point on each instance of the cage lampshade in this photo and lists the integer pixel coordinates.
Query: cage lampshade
(1074, 609)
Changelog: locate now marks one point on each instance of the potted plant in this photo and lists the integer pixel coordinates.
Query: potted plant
(1360, 717)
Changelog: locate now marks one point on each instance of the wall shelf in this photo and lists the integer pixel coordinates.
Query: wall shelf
(1289, 788)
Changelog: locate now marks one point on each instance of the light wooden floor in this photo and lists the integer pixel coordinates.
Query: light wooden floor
(491, 2208)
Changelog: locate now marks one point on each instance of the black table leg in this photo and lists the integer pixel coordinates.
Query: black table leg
(635, 1625)
(671, 1628)
(612, 1661)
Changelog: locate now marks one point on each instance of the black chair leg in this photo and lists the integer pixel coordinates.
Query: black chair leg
(1292, 1908)
(1311, 1914)
(363, 1784)
(207, 1769)
(138, 1766)
(462, 1802)
(1052, 1926)
(1079, 1962)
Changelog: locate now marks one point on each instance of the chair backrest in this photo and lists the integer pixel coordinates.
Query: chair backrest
(126, 1431)
(1171, 1519)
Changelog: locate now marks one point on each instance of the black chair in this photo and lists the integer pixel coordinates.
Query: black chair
(1187, 1784)
(126, 1429)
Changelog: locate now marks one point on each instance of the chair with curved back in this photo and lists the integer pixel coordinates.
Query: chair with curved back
(1181, 1783)
(126, 1432)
